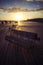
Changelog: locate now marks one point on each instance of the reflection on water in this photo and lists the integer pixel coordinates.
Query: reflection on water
(32, 27)
(18, 28)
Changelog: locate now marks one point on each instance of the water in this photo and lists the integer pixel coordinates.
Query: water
(34, 27)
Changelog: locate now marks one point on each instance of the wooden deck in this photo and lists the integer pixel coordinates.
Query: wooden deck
(13, 54)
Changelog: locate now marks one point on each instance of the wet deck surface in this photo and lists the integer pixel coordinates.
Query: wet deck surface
(12, 54)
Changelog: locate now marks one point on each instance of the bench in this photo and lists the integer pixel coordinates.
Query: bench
(24, 34)
(22, 38)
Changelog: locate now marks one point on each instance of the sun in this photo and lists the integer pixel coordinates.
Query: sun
(19, 16)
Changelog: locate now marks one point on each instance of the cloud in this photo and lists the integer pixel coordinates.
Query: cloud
(34, 0)
(13, 10)
(29, 0)
(2, 9)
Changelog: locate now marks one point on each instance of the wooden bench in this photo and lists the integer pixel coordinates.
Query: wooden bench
(24, 34)
(22, 38)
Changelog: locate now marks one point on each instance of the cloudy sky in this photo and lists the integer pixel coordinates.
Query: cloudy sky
(30, 8)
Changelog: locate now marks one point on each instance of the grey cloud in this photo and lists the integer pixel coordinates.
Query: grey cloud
(34, 0)
(13, 10)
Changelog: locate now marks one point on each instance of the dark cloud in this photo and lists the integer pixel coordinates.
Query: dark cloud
(20, 3)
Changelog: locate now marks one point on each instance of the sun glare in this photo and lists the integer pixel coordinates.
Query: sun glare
(19, 16)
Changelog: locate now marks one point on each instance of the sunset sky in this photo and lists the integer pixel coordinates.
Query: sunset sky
(29, 9)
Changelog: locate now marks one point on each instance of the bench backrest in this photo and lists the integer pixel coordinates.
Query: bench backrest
(25, 34)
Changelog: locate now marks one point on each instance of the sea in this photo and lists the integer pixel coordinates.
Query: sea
(35, 27)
